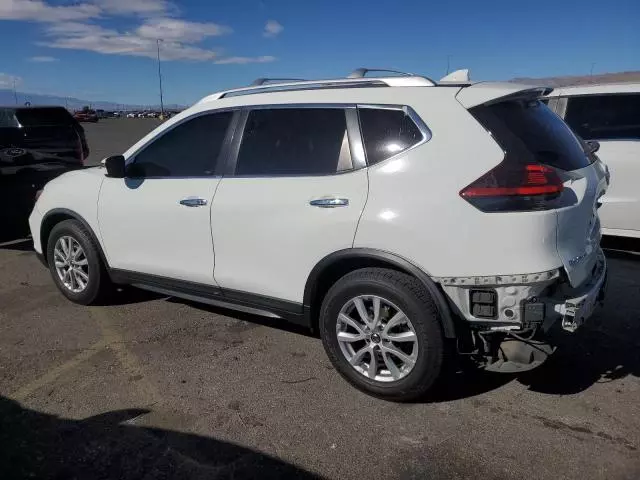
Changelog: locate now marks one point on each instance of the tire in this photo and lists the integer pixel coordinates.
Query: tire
(98, 283)
(397, 291)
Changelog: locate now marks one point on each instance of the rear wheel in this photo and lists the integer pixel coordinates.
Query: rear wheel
(381, 330)
(75, 263)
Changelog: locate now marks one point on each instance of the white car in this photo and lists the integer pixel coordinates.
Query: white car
(610, 115)
(400, 218)
(131, 115)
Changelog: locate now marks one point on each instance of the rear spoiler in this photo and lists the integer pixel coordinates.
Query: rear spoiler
(486, 93)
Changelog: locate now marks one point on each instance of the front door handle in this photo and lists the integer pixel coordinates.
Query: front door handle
(329, 202)
(193, 202)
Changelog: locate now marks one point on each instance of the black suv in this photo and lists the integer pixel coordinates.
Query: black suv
(36, 145)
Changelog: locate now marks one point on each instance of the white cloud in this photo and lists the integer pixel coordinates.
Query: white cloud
(124, 7)
(42, 59)
(244, 60)
(7, 81)
(39, 11)
(94, 38)
(272, 29)
(74, 27)
(180, 30)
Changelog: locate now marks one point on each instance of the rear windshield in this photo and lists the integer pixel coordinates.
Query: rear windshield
(529, 130)
(36, 117)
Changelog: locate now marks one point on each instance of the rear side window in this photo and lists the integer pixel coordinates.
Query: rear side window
(8, 118)
(41, 117)
(294, 141)
(530, 132)
(387, 132)
(190, 149)
(605, 117)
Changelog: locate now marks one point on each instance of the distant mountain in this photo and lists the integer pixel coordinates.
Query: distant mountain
(621, 77)
(72, 103)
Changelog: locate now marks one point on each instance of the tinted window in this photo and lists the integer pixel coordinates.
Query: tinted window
(605, 116)
(387, 133)
(190, 149)
(37, 117)
(530, 132)
(294, 141)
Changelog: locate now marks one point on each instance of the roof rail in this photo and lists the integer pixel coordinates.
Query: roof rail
(283, 85)
(362, 72)
(262, 81)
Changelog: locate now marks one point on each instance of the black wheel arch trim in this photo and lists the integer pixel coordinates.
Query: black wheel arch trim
(85, 224)
(397, 261)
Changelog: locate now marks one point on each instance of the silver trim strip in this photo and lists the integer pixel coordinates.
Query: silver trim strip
(216, 303)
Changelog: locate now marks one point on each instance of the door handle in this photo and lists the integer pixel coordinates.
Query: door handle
(329, 202)
(193, 202)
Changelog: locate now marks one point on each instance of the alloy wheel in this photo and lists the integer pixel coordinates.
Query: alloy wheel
(71, 263)
(377, 338)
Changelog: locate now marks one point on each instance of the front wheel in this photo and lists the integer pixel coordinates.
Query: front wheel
(75, 263)
(380, 329)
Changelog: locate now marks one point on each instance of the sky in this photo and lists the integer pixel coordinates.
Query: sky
(106, 49)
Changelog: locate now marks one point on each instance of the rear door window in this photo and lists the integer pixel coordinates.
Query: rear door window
(605, 117)
(41, 117)
(387, 132)
(294, 141)
(530, 131)
(190, 149)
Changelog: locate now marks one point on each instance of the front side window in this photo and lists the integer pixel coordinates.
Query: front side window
(605, 117)
(294, 141)
(387, 132)
(190, 149)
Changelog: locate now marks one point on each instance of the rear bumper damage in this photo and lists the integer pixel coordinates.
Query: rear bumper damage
(509, 322)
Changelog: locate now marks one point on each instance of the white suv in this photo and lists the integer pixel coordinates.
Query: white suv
(610, 115)
(399, 217)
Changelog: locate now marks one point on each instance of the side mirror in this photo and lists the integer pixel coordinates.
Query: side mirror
(593, 146)
(115, 166)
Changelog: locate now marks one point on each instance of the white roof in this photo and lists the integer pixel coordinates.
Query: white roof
(395, 81)
(592, 89)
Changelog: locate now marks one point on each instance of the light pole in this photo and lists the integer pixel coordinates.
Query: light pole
(448, 63)
(158, 40)
(15, 94)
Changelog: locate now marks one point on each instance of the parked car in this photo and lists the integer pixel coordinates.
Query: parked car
(36, 145)
(131, 115)
(610, 115)
(86, 116)
(357, 212)
(141, 115)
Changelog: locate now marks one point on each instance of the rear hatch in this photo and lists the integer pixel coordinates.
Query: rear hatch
(546, 168)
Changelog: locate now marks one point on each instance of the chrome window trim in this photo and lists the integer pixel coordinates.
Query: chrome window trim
(356, 149)
(415, 118)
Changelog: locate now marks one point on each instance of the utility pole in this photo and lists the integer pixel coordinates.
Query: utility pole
(158, 40)
(448, 63)
(15, 94)
(591, 71)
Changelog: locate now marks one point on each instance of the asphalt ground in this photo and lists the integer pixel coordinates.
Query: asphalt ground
(150, 387)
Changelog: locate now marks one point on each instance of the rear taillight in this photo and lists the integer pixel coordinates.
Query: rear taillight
(514, 187)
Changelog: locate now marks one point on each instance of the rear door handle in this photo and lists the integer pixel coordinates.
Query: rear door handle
(329, 202)
(193, 202)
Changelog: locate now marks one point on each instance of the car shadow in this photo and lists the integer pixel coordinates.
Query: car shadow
(110, 446)
(607, 348)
